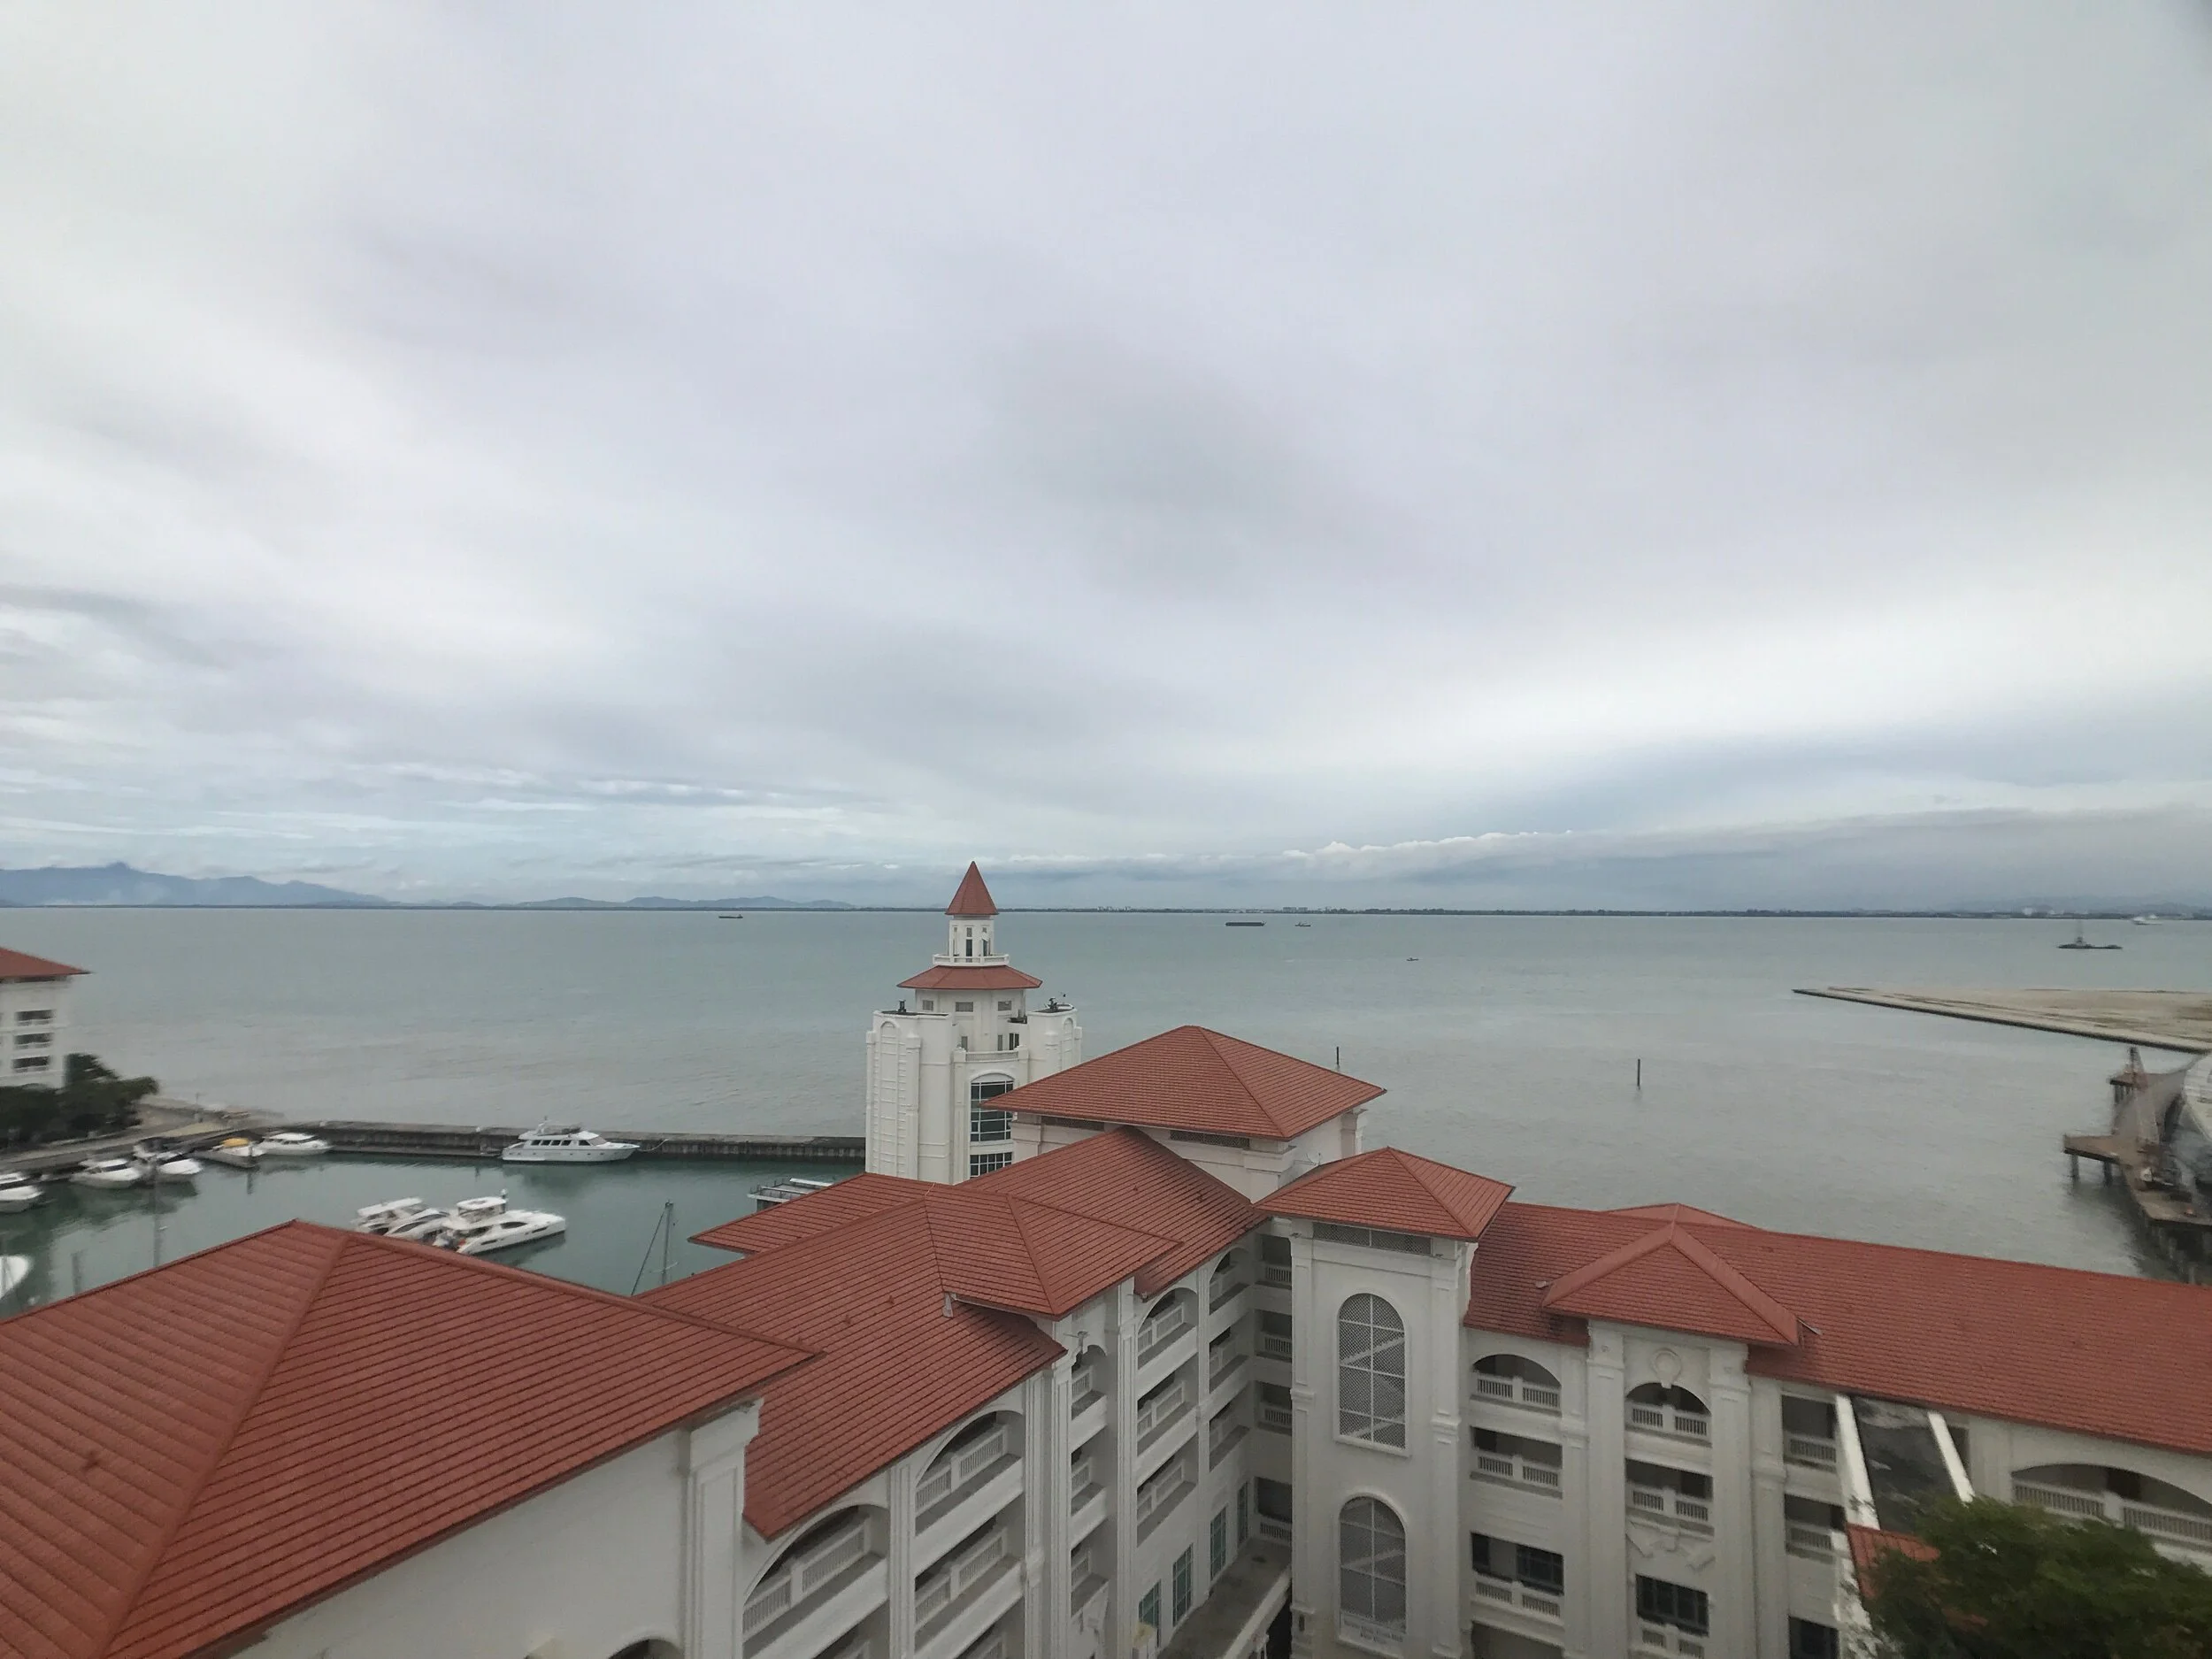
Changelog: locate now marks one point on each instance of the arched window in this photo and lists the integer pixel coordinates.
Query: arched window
(1371, 1552)
(1370, 1372)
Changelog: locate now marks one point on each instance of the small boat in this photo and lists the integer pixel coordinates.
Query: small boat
(14, 1270)
(566, 1143)
(732, 916)
(1302, 924)
(18, 1191)
(783, 1192)
(2077, 942)
(236, 1152)
(167, 1166)
(290, 1143)
(393, 1213)
(499, 1230)
(1244, 923)
(108, 1174)
(2146, 921)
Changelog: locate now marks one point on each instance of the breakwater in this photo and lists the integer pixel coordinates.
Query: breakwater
(485, 1143)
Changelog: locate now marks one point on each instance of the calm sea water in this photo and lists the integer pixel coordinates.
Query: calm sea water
(1507, 1044)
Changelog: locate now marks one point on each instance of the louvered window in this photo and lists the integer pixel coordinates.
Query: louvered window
(1370, 1372)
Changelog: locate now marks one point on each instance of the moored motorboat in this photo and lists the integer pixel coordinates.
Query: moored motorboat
(498, 1230)
(784, 1191)
(14, 1270)
(237, 1152)
(392, 1214)
(566, 1143)
(108, 1174)
(169, 1166)
(290, 1143)
(18, 1191)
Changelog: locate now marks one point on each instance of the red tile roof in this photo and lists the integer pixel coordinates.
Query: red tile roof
(1679, 1212)
(1397, 1190)
(974, 898)
(1869, 1544)
(2098, 1353)
(901, 1358)
(16, 965)
(1127, 1178)
(853, 1199)
(999, 978)
(192, 1453)
(1197, 1079)
(1670, 1268)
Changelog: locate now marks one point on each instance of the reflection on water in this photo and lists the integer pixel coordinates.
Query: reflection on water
(81, 1237)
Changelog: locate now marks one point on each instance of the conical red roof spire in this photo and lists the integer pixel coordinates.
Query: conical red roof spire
(973, 899)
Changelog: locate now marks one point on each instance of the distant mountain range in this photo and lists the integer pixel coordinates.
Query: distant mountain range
(119, 884)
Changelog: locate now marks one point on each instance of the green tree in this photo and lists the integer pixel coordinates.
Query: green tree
(2008, 1581)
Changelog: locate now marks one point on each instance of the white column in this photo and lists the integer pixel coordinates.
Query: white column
(1738, 1546)
(898, 1613)
(1432, 1562)
(714, 1532)
(1574, 1493)
(1120, 1436)
(933, 1130)
(1769, 1553)
(1605, 1574)
(1047, 1613)
(1313, 1523)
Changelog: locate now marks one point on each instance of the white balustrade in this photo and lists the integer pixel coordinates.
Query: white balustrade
(1273, 1417)
(1667, 1640)
(2172, 1526)
(938, 1591)
(960, 1470)
(1275, 1344)
(1812, 1543)
(1161, 1409)
(1221, 1366)
(1224, 1293)
(1517, 1391)
(1512, 1470)
(1160, 1332)
(1687, 1425)
(1507, 1593)
(1810, 1451)
(796, 1579)
(1162, 1491)
(1692, 1515)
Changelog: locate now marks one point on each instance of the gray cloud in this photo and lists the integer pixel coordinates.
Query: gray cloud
(472, 446)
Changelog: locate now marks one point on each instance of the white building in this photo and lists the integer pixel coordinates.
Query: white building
(1190, 1368)
(934, 1069)
(34, 1017)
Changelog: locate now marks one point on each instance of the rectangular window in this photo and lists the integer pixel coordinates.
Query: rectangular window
(929, 1005)
(1072, 1123)
(1013, 1041)
(1244, 1515)
(1541, 1569)
(1372, 1238)
(1242, 1143)
(1809, 1640)
(1148, 1608)
(963, 1008)
(38, 1064)
(986, 1123)
(984, 1162)
(1182, 1587)
(34, 1040)
(1660, 1603)
(1217, 1544)
(1004, 1007)
(35, 1016)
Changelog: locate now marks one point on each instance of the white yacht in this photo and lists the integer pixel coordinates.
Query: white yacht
(14, 1271)
(392, 1214)
(237, 1152)
(421, 1226)
(566, 1143)
(169, 1166)
(475, 1233)
(290, 1143)
(18, 1191)
(109, 1174)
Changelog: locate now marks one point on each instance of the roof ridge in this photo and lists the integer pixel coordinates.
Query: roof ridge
(250, 1397)
(1737, 1283)
(1611, 1262)
(1214, 1039)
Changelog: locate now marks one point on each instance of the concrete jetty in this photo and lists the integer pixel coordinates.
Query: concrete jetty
(481, 1143)
(2179, 1021)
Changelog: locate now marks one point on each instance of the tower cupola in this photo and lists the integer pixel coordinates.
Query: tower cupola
(974, 917)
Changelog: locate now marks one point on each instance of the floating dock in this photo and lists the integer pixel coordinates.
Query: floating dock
(2180, 1021)
(2163, 1195)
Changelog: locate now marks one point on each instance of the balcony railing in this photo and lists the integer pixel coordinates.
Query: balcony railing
(1511, 1469)
(1224, 1293)
(934, 1596)
(1517, 1391)
(1086, 1393)
(1160, 1332)
(1272, 1528)
(1276, 1345)
(1811, 1543)
(964, 1468)
(1685, 1426)
(796, 1579)
(1369, 1633)
(1083, 1483)
(1221, 1366)
(1809, 1451)
(1155, 1416)
(1274, 1418)
(1276, 1274)
(1507, 1593)
(1085, 1585)
(2172, 1526)
(1222, 1435)
(1692, 1515)
(1161, 1494)
(1666, 1639)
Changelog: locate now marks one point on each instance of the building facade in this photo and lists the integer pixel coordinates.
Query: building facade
(33, 1018)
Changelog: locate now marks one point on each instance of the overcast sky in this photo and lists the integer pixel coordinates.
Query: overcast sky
(1450, 453)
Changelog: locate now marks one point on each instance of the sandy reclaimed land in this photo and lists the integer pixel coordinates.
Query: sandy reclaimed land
(2180, 1020)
